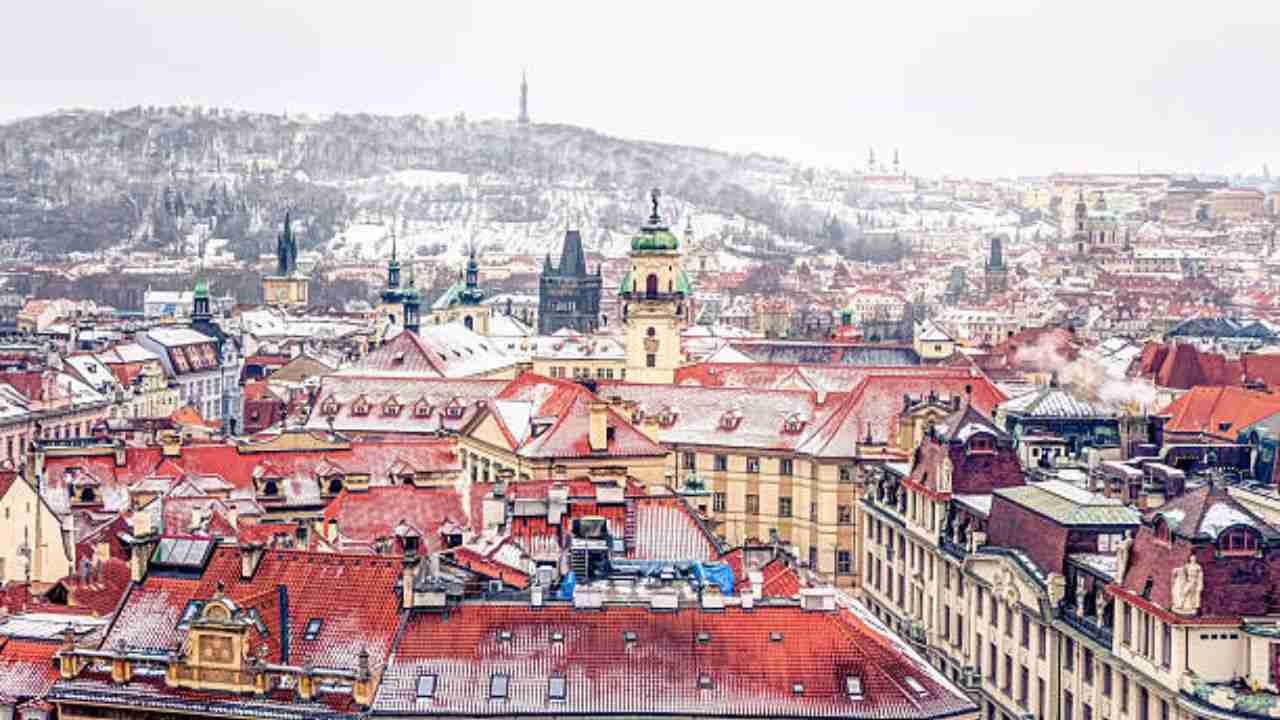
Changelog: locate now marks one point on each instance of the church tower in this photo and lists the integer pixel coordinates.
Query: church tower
(392, 307)
(412, 301)
(997, 273)
(655, 303)
(288, 286)
(524, 99)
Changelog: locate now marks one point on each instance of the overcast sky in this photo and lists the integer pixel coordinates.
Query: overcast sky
(960, 87)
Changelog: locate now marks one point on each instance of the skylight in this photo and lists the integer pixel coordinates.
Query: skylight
(704, 682)
(915, 686)
(775, 637)
(797, 688)
(426, 686)
(853, 686)
(557, 637)
(504, 636)
(704, 637)
(313, 629)
(498, 686)
(629, 636)
(556, 689)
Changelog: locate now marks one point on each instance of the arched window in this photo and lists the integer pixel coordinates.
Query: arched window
(87, 495)
(270, 488)
(1238, 541)
(651, 286)
(651, 332)
(1162, 530)
(468, 322)
(335, 485)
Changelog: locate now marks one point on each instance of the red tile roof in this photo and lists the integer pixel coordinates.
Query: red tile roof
(27, 669)
(749, 675)
(1218, 412)
(365, 516)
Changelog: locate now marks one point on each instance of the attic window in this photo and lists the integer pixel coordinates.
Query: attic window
(556, 689)
(422, 409)
(330, 408)
(704, 638)
(730, 420)
(391, 408)
(915, 686)
(498, 683)
(426, 686)
(775, 637)
(704, 682)
(1224, 426)
(1238, 541)
(793, 424)
(313, 629)
(853, 687)
(360, 407)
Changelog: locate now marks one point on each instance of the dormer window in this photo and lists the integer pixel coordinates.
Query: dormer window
(330, 407)
(334, 483)
(667, 417)
(422, 409)
(454, 410)
(793, 424)
(1238, 540)
(271, 488)
(730, 420)
(391, 408)
(981, 443)
(360, 407)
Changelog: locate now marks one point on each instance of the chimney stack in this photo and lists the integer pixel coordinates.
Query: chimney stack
(599, 435)
(251, 555)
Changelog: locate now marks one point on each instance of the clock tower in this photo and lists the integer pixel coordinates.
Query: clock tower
(655, 303)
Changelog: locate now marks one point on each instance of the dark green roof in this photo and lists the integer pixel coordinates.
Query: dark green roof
(628, 284)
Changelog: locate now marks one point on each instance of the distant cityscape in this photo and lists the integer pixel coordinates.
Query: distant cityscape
(398, 417)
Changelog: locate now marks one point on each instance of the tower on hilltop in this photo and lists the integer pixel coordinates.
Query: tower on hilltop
(524, 98)
(655, 302)
(997, 273)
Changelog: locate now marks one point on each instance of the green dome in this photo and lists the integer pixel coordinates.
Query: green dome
(652, 238)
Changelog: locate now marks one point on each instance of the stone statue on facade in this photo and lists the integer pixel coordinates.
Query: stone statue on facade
(1188, 584)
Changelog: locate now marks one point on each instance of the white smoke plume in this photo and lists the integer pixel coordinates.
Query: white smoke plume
(1087, 378)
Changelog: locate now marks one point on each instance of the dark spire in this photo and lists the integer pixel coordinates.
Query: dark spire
(573, 261)
(393, 265)
(286, 248)
(524, 99)
(655, 218)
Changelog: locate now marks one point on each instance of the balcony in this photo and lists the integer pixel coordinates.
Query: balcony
(1087, 624)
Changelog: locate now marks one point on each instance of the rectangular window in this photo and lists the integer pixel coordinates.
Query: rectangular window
(991, 663)
(846, 474)
(844, 516)
(1007, 685)
(1024, 685)
(1026, 631)
(1008, 620)
(1068, 654)
(753, 504)
(844, 562)
(993, 617)
(690, 461)
(313, 629)
(785, 466)
(1068, 702)
(426, 687)
(718, 502)
(556, 690)
(753, 464)
(813, 514)
(1106, 680)
(784, 507)
(1124, 694)
(1043, 647)
(981, 593)
(1126, 617)
(651, 360)
(1166, 645)
(1086, 662)
(1039, 697)
(721, 463)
